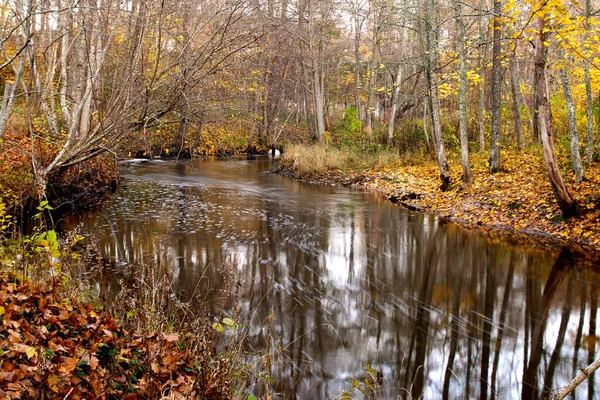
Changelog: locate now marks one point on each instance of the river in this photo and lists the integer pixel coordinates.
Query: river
(346, 280)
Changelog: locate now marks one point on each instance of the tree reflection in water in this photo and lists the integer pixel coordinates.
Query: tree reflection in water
(350, 280)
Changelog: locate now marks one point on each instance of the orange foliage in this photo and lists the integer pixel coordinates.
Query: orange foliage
(54, 349)
(79, 182)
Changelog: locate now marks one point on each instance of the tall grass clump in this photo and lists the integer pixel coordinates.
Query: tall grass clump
(304, 160)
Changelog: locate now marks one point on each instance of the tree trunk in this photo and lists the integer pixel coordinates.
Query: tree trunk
(425, 100)
(481, 90)
(430, 65)
(357, 61)
(396, 89)
(66, 23)
(515, 90)
(372, 75)
(10, 93)
(576, 159)
(315, 51)
(11, 88)
(496, 89)
(462, 100)
(588, 91)
(319, 103)
(305, 54)
(535, 112)
(567, 204)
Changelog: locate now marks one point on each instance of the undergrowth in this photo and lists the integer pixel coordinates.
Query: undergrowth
(65, 335)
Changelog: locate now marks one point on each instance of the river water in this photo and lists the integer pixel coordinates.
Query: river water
(347, 280)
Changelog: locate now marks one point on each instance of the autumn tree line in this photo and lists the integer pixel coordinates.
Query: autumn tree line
(82, 78)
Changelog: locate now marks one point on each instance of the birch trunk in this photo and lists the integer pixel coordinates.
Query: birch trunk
(394, 101)
(47, 103)
(372, 75)
(89, 59)
(10, 94)
(481, 90)
(319, 103)
(588, 91)
(430, 65)
(11, 88)
(305, 54)
(66, 23)
(515, 92)
(575, 158)
(317, 66)
(357, 61)
(462, 96)
(425, 123)
(396, 90)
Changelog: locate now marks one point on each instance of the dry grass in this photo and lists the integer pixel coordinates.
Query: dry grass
(307, 160)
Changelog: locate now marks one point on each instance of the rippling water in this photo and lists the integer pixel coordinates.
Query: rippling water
(351, 281)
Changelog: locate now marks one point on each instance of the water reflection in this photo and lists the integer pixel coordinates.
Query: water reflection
(353, 281)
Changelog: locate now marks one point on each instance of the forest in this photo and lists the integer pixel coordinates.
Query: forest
(85, 81)
(485, 113)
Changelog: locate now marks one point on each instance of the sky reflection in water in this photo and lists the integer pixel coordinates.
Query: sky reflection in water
(352, 280)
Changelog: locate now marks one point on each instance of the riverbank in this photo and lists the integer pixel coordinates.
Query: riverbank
(64, 336)
(80, 185)
(516, 203)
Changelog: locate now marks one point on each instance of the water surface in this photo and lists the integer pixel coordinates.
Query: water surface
(352, 281)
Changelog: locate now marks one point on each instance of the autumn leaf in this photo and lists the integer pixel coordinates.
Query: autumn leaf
(173, 337)
(53, 383)
(30, 352)
(69, 364)
(154, 367)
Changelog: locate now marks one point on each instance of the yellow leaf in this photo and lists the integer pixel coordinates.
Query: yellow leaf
(30, 352)
(2, 310)
(53, 382)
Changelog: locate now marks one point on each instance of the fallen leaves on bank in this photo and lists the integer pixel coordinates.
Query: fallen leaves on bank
(52, 348)
(518, 199)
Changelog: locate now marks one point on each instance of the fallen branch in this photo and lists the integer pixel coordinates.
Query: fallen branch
(585, 373)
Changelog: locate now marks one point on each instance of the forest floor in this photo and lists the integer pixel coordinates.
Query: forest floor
(516, 203)
(54, 346)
